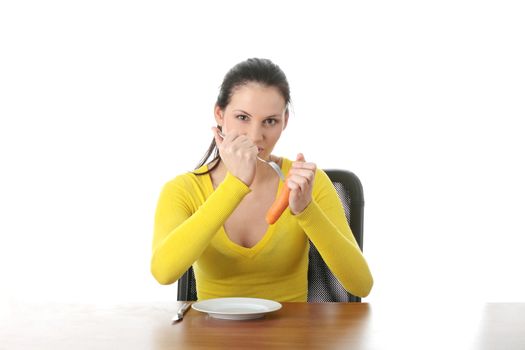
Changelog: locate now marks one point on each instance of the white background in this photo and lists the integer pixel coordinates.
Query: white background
(102, 102)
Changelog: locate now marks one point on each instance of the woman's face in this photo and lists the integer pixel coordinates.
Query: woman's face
(257, 111)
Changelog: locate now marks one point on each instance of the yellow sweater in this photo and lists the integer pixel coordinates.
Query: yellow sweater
(189, 231)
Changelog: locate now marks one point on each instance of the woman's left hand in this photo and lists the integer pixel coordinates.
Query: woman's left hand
(300, 180)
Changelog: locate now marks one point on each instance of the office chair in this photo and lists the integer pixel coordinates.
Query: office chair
(323, 286)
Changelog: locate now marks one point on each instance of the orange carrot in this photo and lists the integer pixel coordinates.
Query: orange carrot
(279, 205)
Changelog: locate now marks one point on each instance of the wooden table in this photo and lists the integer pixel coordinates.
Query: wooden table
(295, 326)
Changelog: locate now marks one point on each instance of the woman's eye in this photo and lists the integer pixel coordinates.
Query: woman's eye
(242, 117)
(270, 121)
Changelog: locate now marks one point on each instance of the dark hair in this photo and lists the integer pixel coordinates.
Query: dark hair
(256, 70)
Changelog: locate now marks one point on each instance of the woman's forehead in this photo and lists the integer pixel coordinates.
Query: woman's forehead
(257, 97)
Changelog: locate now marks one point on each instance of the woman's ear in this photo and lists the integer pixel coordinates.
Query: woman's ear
(219, 115)
(286, 114)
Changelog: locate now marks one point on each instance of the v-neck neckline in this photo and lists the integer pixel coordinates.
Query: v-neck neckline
(248, 252)
(252, 251)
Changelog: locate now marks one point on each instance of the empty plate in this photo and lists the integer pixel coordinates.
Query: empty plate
(236, 308)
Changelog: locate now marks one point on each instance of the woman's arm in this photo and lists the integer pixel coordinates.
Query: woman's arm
(324, 221)
(184, 227)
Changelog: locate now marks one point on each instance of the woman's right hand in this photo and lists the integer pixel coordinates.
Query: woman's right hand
(238, 153)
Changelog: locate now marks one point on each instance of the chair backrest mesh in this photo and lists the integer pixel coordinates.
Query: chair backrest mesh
(323, 286)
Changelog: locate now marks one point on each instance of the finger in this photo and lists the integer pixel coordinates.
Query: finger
(304, 165)
(244, 140)
(231, 135)
(298, 182)
(306, 173)
(292, 185)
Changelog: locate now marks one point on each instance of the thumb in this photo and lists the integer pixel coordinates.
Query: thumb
(300, 157)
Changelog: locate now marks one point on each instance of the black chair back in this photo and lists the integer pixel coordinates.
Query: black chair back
(323, 286)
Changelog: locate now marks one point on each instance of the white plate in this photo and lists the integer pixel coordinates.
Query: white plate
(236, 308)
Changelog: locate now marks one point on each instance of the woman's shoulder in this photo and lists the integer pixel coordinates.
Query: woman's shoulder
(189, 179)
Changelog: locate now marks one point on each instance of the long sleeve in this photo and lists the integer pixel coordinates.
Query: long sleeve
(325, 224)
(186, 222)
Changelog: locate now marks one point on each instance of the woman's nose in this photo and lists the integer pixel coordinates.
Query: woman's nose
(255, 134)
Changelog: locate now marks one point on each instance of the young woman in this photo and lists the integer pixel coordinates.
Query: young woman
(214, 217)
